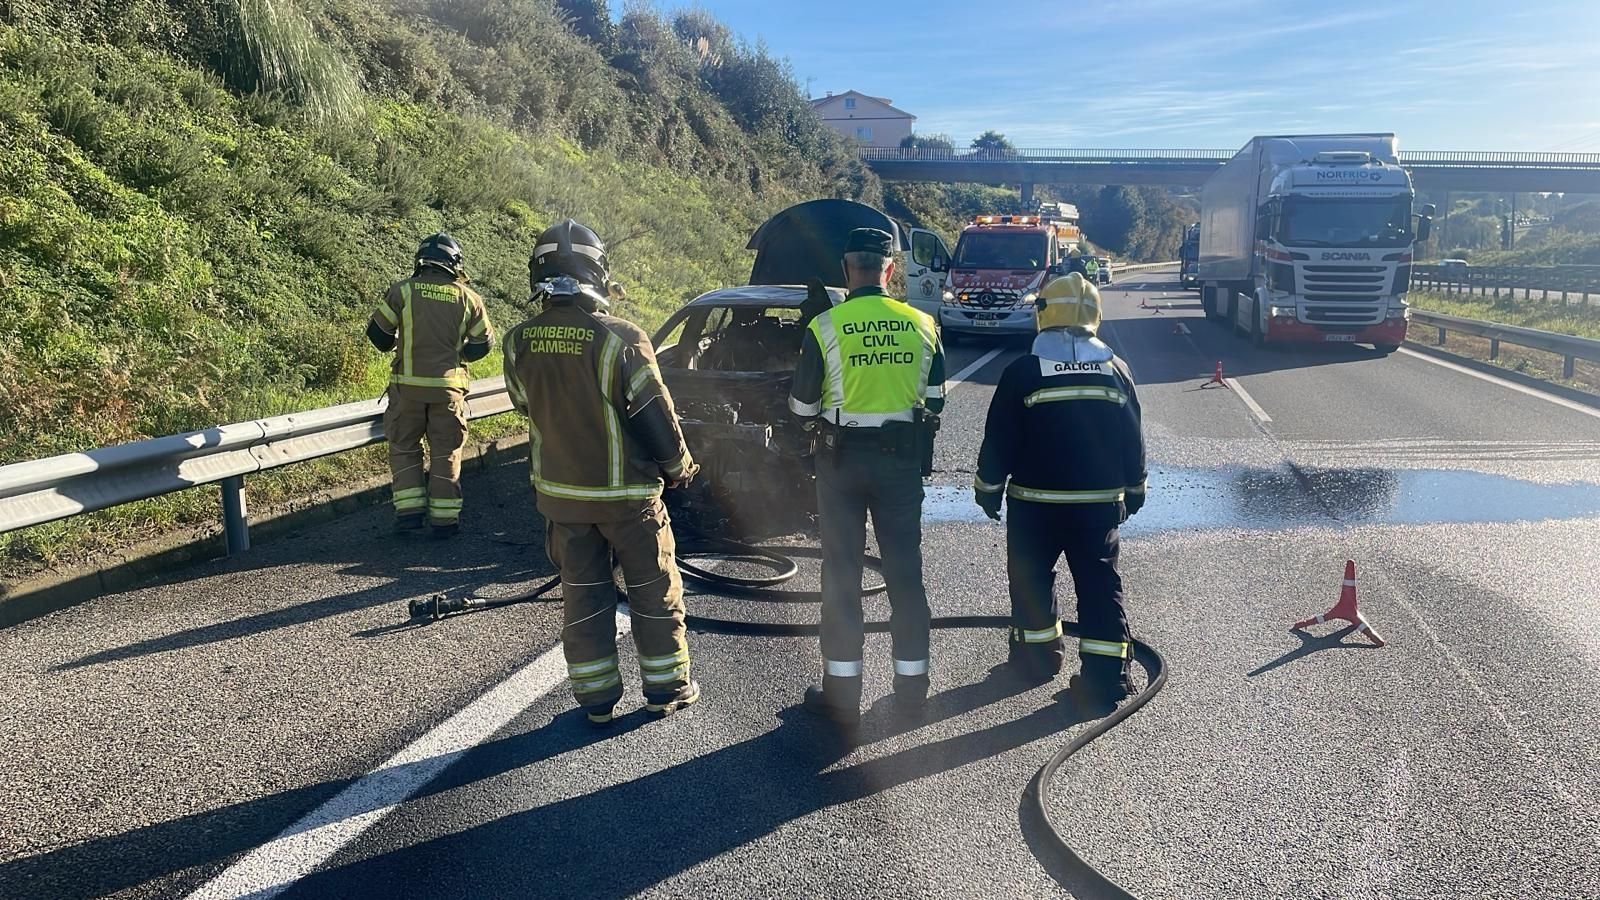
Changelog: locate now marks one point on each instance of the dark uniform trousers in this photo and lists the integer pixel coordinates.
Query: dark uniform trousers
(643, 547)
(1037, 535)
(851, 481)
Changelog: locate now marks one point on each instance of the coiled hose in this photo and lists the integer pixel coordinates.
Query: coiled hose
(1065, 864)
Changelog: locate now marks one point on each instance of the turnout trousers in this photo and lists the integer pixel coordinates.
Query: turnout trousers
(643, 548)
(1038, 534)
(440, 416)
(851, 482)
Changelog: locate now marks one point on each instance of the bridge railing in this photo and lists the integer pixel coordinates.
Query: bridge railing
(59, 487)
(1414, 158)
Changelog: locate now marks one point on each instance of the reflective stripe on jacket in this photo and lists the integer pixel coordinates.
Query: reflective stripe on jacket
(432, 315)
(601, 426)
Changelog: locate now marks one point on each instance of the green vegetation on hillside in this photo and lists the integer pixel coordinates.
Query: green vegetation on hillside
(200, 199)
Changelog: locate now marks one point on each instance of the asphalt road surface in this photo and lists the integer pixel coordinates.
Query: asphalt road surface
(272, 726)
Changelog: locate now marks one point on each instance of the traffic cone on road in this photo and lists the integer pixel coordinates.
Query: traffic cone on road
(1347, 608)
(1216, 377)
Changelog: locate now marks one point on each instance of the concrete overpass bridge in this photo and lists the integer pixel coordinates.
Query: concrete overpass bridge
(1577, 173)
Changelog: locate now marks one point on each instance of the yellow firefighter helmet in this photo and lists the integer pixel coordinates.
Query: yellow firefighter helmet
(1070, 302)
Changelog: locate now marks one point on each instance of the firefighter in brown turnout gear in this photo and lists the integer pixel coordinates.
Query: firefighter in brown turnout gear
(435, 324)
(1064, 428)
(603, 437)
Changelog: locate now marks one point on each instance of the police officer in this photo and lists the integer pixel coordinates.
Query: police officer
(603, 437)
(436, 325)
(871, 379)
(1064, 428)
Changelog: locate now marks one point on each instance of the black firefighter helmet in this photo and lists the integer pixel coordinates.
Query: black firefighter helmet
(440, 250)
(570, 249)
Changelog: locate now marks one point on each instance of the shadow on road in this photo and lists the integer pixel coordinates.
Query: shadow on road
(612, 842)
(438, 570)
(1309, 644)
(620, 840)
(1160, 355)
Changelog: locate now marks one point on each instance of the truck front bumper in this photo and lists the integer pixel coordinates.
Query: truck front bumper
(1291, 330)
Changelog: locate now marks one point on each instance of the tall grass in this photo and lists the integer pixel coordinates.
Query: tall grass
(276, 49)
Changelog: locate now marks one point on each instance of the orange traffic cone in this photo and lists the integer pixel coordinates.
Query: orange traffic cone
(1216, 377)
(1347, 608)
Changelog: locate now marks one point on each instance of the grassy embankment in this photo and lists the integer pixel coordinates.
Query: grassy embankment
(183, 245)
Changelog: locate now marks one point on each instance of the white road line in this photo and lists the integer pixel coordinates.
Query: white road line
(1255, 408)
(1509, 385)
(951, 384)
(303, 847)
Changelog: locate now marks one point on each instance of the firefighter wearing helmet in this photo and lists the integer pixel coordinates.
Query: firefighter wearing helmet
(1064, 448)
(435, 324)
(604, 438)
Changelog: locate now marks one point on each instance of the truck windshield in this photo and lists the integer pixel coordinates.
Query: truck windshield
(990, 250)
(1346, 222)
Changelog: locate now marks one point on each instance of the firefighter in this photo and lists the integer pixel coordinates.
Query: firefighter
(870, 383)
(1064, 428)
(603, 438)
(436, 324)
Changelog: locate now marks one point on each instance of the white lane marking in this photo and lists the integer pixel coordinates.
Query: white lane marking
(951, 384)
(1181, 329)
(303, 847)
(1510, 385)
(1255, 408)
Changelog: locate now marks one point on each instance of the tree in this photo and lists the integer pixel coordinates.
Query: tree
(993, 141)
(927, 142)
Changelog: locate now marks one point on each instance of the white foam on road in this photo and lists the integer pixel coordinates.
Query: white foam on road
(1508, 385)
(305, 846)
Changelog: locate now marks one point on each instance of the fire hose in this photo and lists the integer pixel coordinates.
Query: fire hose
(781, 563)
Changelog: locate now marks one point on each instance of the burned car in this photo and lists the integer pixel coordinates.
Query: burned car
(729, 356)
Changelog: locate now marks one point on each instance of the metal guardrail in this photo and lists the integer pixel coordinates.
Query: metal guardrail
(1491, 280)
(1569, 347)
(58, 487)
(1430, 158)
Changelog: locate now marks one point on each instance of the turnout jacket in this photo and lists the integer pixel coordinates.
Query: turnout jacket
(1064, 427)
(432, 317)
(601, 426)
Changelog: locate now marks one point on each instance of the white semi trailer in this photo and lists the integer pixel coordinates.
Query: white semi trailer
(1308, 238)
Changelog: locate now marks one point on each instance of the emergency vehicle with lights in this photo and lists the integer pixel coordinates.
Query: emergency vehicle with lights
(998, 268)
(1308, 238)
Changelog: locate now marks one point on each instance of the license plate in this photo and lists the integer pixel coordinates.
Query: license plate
(986, 323)
(1339, 337)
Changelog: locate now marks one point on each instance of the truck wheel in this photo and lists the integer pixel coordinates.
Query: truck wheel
(1385, 349)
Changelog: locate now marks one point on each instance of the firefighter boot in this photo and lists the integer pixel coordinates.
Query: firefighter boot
(1102, 683)
(664, 706)
(837, 699)
(1036, 662)
(409, 522)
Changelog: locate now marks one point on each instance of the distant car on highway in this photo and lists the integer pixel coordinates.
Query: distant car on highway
(1453, 265)
(1104, 274)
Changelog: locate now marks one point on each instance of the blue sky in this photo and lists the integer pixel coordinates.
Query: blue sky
(1465, 75)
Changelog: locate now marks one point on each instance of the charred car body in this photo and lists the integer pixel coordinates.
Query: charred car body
(729, 356)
